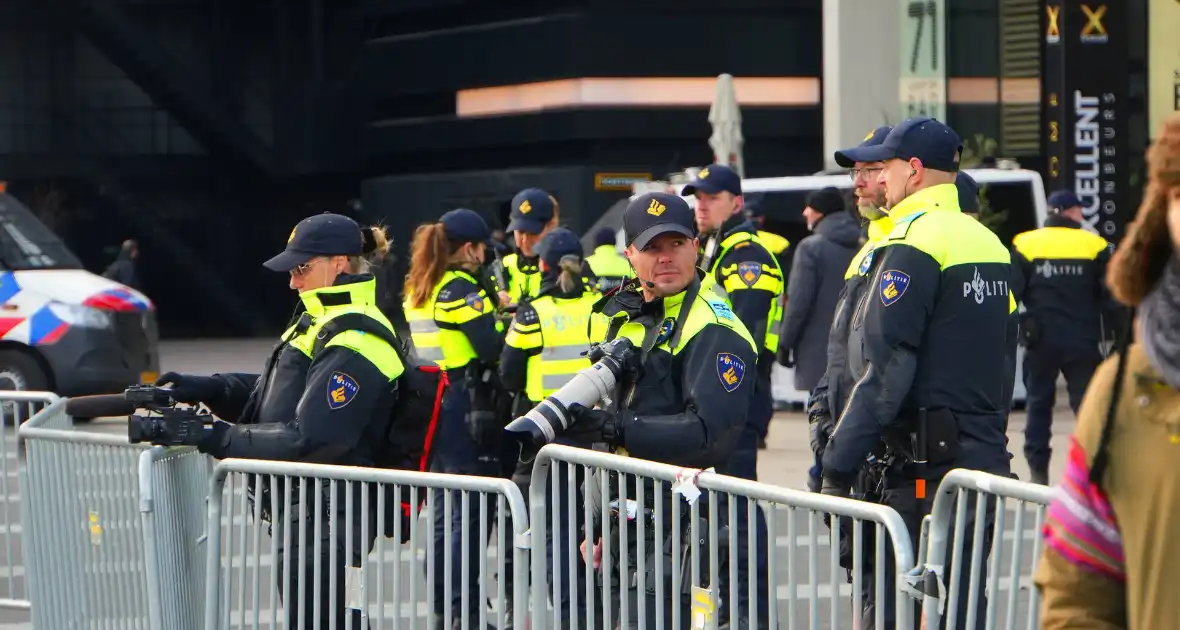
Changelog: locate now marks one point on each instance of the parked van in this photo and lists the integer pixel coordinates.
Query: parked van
(62, 328)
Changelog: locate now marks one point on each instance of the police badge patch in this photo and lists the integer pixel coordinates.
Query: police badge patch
(731, 370)
(893, 286)
(665, 331)
(866, 263)
(475, 301)
(342, 388)
(749, 272)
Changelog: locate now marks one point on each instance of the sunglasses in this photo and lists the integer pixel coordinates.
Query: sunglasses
(299, 270)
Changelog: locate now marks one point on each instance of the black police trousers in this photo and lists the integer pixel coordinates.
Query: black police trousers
(1042, 363)
(899, 494)
(310, 600)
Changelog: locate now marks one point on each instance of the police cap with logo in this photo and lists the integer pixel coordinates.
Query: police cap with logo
(875, 137)
(320, 235)
(922, 138)
(466, 226)
(652, 214)
(532, 209)
(713, 179)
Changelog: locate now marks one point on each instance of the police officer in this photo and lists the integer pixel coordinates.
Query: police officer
(928, 345)
(534, 212)
(738, 264)
(452, 320)
(545, 347)
(690, 402)
(1058, 277)
(606, 262)
(326, 405)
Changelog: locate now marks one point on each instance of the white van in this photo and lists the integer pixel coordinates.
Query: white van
(781, 199)
(62, 328)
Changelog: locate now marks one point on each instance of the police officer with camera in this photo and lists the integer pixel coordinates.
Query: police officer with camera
(928, 340)
(693, 382)
(313, 402)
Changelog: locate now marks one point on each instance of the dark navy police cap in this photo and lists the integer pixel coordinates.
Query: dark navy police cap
(924, 138)
(532, 209)
(557, 244)
(1062, 199)
(875, 137)
(653, 214)
(605, 236)
(968, 192)
(713, 179)
(466, 226)
(320, 235)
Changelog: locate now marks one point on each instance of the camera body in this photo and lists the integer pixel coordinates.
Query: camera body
(169, 426)
(614, 362)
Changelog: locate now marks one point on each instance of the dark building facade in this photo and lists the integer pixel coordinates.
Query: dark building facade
(206, 128)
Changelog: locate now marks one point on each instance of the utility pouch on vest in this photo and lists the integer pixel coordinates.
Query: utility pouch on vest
(412, 424)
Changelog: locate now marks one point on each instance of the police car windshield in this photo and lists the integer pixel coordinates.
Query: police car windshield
(26, 243)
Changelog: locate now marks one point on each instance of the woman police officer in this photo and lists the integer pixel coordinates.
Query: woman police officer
(453, 321)
(545, 347)
(329, 405)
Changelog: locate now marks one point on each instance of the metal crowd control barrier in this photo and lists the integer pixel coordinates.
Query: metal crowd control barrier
(101, 550)
(683, 549)
(369, 551)
(958, 490)
(18, 407)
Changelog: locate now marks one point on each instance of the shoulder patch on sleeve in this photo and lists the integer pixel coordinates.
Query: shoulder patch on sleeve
(730, 370)
(721, 310)
(342, 388)
(893, 286)
(749, 272)
(475, 300)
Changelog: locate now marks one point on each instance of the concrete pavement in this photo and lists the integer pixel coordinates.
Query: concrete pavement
(785, 462)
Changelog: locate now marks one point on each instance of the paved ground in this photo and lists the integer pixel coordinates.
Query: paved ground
(800, 566)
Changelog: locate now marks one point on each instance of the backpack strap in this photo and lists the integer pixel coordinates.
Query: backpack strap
(362, 323)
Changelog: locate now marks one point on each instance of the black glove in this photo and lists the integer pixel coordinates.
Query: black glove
(190, 389)
(593, 426)
(784, 357)
(821, 425)
(834, 488)
(214, 441)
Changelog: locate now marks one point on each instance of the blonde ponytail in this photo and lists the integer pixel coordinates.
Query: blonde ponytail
(376, 246)
(569, 276)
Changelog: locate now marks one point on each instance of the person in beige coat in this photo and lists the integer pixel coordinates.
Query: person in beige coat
(1111, 557)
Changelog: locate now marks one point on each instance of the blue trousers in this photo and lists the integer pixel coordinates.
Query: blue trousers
(1042, 363)
(456, 453)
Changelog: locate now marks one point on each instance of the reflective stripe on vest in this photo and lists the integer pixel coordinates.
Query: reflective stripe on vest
(775, 316)
(448, 347)
(564, 340)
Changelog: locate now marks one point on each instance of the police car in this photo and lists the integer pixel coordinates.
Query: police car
(1020, 192)
(62, 328)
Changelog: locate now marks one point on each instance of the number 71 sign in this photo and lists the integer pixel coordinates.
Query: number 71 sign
(923, 58)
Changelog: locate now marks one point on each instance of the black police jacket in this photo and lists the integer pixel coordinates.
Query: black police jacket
(690, 402)
(1059, 274)
(293, 410)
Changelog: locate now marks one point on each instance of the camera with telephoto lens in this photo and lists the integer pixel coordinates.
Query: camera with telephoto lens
(169, 426)
(614, 362)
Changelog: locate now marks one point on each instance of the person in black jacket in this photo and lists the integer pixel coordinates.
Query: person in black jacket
(817, 277)
(695, 386)
(1059, 273)
(329, 405)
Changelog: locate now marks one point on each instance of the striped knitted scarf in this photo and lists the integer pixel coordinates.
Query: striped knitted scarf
(1081, 524)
